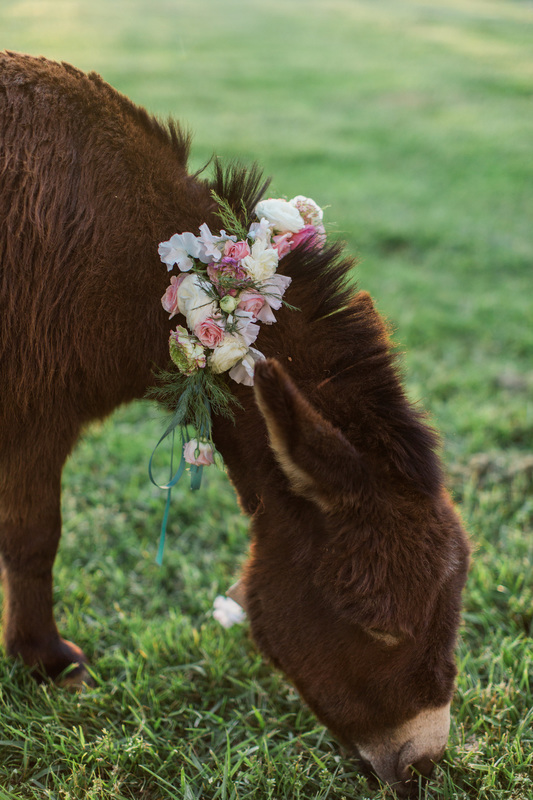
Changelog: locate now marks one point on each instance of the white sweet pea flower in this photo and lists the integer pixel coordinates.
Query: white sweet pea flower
(260, 230)
(178, 249)
(245, 324)
(281, 215)
(227, 611)
(262, 261)
(211, 246)
(243, 372)
(272, 290)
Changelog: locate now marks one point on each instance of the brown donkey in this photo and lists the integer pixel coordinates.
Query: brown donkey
(358, 558)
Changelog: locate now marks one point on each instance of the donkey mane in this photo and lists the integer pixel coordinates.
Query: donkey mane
(351, 373)
(242, 187)
(91, 84)
(167, 132)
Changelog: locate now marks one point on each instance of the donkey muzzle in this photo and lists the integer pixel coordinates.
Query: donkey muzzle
(405, 753)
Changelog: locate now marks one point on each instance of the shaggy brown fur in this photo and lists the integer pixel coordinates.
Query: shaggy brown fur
(358, 559)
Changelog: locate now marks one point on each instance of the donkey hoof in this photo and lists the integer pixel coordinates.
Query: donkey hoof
(57, 660)
(75, 677)
(66, 664)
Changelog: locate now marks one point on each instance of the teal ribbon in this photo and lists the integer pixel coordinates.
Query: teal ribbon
(195, 472)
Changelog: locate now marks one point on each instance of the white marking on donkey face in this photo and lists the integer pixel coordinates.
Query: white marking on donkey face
(419, 741)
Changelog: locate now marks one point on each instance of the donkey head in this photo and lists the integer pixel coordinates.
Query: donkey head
(353, 587)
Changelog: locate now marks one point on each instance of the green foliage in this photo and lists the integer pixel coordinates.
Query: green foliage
(229, 219)
(412, 122)
(194, 398)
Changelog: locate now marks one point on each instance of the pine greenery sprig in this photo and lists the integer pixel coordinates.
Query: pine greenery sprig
(186, 394)
(230, 221)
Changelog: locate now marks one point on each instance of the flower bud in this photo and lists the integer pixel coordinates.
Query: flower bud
(228, 303)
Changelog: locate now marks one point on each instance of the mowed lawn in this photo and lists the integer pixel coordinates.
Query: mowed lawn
(413, 123)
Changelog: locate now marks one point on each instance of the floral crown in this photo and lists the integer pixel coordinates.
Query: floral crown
(227, 285)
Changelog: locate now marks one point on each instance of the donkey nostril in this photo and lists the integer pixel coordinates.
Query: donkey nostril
(413, 776)
(424, 766)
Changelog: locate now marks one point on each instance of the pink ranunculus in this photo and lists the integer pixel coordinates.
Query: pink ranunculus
(198, 453)
(169, 301)
(252, 302)
(228, 276)
(237, 250)
(283, 243)
(209, 332)
(306, 237)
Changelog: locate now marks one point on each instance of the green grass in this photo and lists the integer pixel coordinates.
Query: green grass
(412, 121)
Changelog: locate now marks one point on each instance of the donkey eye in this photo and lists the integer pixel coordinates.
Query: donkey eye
(389, 639)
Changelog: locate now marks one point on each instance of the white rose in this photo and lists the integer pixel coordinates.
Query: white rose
(229, 351)
(311, 213)
(194, 301)
(262, 262)
(209, 310)
(281, 215)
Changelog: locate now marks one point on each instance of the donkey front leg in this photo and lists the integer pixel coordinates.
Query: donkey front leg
(30, 528)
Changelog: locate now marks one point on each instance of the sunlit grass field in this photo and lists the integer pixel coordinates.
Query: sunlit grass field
(413, 122)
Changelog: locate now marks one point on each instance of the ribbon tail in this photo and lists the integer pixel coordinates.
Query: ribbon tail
(196, 477)
(171, 483)
(181, 467)
(162, 537)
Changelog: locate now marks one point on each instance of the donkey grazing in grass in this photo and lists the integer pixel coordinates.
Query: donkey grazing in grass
(358, 558)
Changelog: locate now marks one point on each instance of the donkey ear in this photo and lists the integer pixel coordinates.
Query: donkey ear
(317, 459)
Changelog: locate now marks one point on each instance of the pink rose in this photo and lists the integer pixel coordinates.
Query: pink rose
(304, 237)
(198, 453)
(169, 301)
(252, 302)
(283, 243)
(209, 333)
(237, 250)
